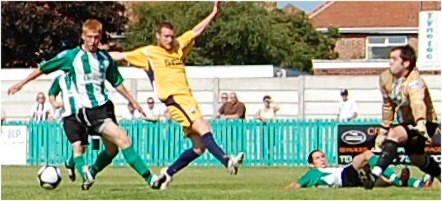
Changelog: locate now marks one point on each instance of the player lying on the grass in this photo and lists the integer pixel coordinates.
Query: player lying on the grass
(353, 174)
(165, 64)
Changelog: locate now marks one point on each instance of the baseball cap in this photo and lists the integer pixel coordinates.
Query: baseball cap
(344, 92)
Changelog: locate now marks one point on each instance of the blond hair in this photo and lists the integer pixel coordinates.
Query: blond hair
(92, 25)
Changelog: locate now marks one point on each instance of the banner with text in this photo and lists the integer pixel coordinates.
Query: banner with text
(355, 139)
(430, 44)
(14, 145)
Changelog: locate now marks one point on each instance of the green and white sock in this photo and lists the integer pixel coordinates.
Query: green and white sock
(80, 164)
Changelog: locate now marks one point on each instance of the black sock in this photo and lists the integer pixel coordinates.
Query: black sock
(388, 154)
(431, 167)
(214, 149)
(185, 158)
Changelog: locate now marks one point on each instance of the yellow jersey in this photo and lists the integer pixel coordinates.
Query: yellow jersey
(166, 69)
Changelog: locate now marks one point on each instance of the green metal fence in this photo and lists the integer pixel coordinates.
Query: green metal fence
(278, 143)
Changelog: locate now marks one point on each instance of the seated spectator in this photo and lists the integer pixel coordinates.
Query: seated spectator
(268, 111)
(233, 109)
(224, 99)
(131, 113)
(40, 110)
(153, 112)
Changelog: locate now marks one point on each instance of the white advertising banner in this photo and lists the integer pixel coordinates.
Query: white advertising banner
(14, 145)
(430, 44)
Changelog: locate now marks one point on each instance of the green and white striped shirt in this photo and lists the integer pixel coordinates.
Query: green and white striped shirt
(69, 95)
(323, 177)
(88, 72)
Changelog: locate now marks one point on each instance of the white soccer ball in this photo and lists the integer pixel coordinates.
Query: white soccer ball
(49, 177)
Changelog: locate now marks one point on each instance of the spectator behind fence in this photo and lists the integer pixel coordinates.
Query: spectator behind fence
(153, 112)
(224, 99)
(131, 113)
(268, 111)
(3, 115)
(234, 109)
(347, 109)
(40, 110)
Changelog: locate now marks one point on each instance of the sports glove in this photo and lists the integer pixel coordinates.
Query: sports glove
(422, 129)
(382, 134)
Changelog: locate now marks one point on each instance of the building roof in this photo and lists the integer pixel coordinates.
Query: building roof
(351, 14)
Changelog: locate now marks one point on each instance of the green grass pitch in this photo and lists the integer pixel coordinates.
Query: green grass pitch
(197, 183)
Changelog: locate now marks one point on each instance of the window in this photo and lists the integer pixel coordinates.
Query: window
(378, 47)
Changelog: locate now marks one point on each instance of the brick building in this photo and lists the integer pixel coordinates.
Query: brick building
(369, 29)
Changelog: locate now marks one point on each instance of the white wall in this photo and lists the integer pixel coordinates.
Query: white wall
(299, 97)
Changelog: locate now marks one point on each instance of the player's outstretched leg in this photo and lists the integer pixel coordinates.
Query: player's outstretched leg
(116, 135)
(183, 160)
(231, 163)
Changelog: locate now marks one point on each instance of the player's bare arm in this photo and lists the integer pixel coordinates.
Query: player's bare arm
(17, 87)
(117, 56)
(200, 27)
(55, 103)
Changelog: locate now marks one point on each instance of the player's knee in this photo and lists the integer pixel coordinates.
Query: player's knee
(77, 148)
(397, 135)
(199, 150)
(111, 151)
(124, 141)
(201, 126)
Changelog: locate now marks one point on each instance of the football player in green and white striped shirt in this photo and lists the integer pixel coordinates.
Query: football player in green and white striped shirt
(76, 133)
(352, 175)
(88, 68)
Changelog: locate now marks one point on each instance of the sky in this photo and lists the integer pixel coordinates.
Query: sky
(306, 6)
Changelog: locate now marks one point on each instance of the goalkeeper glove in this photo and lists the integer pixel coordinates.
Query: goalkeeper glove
(422, 129)
(382, 134)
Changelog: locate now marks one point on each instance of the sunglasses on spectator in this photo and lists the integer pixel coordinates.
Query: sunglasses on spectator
(224, 97)
(149, 102)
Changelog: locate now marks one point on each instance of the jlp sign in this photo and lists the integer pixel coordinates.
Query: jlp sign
(355, 139)
(14, 145)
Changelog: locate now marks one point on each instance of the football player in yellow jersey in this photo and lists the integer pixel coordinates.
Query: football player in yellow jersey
(164, 63)
(405, 94)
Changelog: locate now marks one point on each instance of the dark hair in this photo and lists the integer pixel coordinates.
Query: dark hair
(344, 92)
(407, 54)
(165, 25)
(266, 97)
(310, 156)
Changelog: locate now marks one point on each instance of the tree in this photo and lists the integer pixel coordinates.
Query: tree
(32, 31)
(244, 33)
